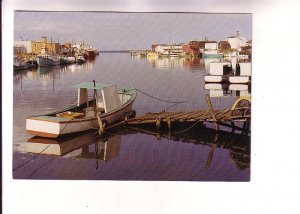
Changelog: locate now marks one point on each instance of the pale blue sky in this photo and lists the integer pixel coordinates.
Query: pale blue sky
(119, 31)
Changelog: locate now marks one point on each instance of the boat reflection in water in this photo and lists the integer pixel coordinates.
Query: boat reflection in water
(90, 146)
(223, 90)
(86, 145)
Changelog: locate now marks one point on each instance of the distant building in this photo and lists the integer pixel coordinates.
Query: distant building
(22, 47)
(195, 47)
(211, 45)
(51, 47)
(66, 49)
(236, 42)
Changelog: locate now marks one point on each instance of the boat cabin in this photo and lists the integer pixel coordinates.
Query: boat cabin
(105, 98)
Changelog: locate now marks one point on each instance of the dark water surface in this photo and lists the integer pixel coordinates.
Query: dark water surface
(197, 155)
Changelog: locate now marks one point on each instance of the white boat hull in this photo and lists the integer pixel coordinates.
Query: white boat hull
(51, 127)
(213, 86)
(238, 87)
(78, 118)
(239, 79)
(213, 78)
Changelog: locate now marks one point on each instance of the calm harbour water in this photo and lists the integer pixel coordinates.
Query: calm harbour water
(200, 155)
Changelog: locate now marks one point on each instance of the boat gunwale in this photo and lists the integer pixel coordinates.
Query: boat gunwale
(133, 95)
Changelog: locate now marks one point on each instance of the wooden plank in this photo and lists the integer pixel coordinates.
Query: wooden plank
(203, 116)
(185, 116)
(175, 116)
(222, 114)
(212, 113)
(196, 114)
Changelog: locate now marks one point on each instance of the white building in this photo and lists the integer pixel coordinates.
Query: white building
(22, 47)
(211, 46)
(236, 42)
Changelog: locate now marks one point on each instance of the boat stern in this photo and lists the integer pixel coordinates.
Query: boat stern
(42, 126)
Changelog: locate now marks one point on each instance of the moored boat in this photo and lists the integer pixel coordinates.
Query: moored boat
(212, 54)
(89, 54)
(110, 107)
(80, 59)
(45, 60)
(19, 64)
(65, 60)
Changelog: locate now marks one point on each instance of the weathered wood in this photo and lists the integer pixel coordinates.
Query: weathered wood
(196, 114)
(223, 114)
(158, 123)
(169, 122)
(185, 116)
(212, 111)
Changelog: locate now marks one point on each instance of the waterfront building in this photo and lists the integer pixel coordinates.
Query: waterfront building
(21, 47)
(236, 42)
(51, 47)
(192, 48)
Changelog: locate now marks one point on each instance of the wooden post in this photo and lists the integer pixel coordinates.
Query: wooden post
(169, 123)
(101, 124)
(158, 123)
(212, 113)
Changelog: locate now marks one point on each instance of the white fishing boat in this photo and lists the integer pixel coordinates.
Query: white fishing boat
(219, 71)
(66, 60)
(109, 107)
(80, 59)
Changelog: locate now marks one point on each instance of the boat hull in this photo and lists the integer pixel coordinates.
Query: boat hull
(20, 67)
(53, 127)
(214, 56)
(45, 62)
(239, 79)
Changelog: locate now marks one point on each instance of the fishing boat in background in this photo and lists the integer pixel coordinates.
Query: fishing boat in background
(212, 54)
(31, 64)
(80, 59)
(107, 108)
(66, 60)
(46, 59)
(89, 54)
(19, 64)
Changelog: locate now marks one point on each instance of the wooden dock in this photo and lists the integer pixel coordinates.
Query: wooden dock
(239, 112)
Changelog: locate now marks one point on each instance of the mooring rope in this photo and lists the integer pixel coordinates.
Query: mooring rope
(187, 128)
(31, 158)
(43, 165)
(167, 101)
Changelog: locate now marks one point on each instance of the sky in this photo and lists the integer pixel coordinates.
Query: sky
(127, 31)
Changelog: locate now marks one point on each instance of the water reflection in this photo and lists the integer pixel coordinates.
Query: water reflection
(223, 90)
(191, 63)
(49, 73)
(90, 146)
(106, 148)
(237, 144)
(59, 147)
(136, 155)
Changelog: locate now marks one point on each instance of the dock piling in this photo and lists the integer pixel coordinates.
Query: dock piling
(212, 113)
